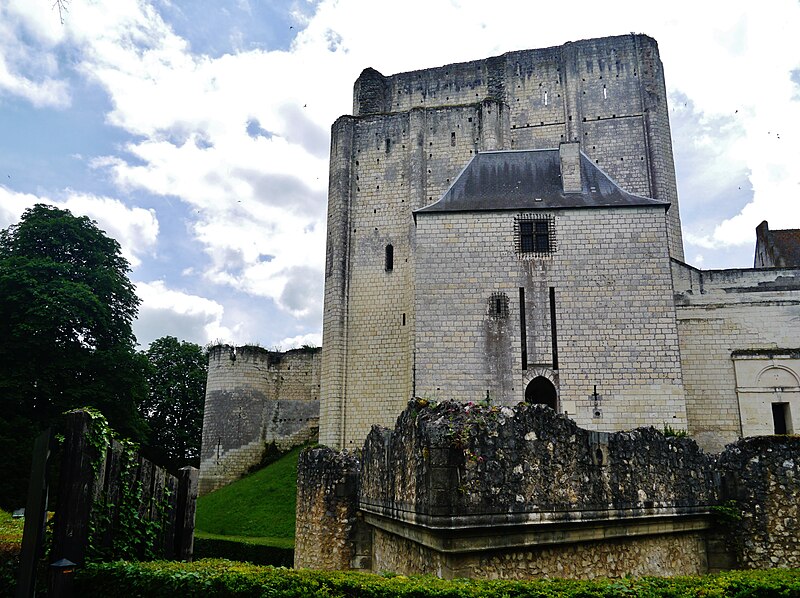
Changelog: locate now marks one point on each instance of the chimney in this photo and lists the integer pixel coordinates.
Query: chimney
(570, 154)
(763, 257)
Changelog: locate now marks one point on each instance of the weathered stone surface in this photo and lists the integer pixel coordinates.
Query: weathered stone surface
(528, 463)
(327, 489)
(255, 397)
(762, 478)
(460, 490)
(682, 554)
(409, 137)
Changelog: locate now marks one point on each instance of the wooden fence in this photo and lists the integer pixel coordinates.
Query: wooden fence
(112, 503)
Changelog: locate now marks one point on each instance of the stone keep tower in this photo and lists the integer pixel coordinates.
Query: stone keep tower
(410, 136)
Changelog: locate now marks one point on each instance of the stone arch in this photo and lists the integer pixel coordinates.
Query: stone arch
(777, 376)
(541, 391)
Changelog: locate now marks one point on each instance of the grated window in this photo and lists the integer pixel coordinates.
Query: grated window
(534, 235)
(498, 305)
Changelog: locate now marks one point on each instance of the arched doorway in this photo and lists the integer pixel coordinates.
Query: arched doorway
(540, 391)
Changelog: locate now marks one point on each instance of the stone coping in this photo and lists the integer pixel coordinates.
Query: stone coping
(407, 514)
(459, 536)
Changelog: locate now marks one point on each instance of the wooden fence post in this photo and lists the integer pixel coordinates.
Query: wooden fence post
(35, 517)
(184, 520)
(82, 469)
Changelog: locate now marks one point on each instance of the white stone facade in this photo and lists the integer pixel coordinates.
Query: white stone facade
(438, 303)
(430, 304)
(616, 327)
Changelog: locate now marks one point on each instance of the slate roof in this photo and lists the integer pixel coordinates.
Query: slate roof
(530, 180)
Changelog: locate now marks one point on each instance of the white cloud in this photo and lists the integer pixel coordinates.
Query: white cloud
(258, 198)
(166, 311)
(295, 342)
(26, 71)
(135, 229)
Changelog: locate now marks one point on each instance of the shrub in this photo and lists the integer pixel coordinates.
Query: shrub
(221, 578)
(243, 550)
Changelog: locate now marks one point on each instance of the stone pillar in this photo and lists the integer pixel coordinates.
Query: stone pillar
(494, 123)
(327, 532)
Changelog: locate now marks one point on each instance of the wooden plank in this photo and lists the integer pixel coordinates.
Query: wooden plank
(75, 490)
(184, 523)
(145, 481)
(107, 512)
(169, 516)
(157, 510)
(35, 517)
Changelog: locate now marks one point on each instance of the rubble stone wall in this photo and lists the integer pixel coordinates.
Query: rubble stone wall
(666, 555)
(496, 492)
(762, 483)
(326, 531)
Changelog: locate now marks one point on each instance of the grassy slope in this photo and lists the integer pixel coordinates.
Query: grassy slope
(259, 508)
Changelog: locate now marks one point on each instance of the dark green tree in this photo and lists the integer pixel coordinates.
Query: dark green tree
(173, 408)
(66, 310)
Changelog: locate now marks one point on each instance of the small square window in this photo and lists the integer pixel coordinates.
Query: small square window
(535, 235)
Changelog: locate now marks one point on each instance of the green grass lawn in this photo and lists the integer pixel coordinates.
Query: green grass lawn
(259, 509)
(10, 530)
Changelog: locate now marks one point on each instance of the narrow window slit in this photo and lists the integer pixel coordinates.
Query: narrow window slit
(389, 258)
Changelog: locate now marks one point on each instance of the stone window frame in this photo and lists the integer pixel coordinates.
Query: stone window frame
(535, 235)
(498, 306)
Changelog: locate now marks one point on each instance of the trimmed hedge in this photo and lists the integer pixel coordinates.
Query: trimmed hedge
(243, 550)
(221, 578)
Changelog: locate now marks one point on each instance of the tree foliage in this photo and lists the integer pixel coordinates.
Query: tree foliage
(173, 408)
(66, 311)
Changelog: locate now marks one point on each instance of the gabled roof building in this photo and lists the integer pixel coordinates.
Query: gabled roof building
(508, 230)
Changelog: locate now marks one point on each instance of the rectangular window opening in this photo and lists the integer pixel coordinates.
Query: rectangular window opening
(781, 418)
(389, 258)
(535, 235)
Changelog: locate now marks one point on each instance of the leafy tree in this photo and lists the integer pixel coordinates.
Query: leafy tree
(174, 406)
(66, 310)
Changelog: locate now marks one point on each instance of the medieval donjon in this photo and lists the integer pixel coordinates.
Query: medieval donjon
(508, 230)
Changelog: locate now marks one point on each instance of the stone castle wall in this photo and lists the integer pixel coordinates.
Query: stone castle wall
(409, 138)
(383, 167)
(608, 94)
(494, 492)
(254, 398)
(762, 479)
(656, 555)
(499, 466)
(720, 312)
(615, 315)
(327, 491)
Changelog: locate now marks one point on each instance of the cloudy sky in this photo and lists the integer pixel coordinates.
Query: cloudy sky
(196, 132)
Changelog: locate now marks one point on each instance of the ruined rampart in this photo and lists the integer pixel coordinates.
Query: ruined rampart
(477, 491)
(761, 488)
(255, 398)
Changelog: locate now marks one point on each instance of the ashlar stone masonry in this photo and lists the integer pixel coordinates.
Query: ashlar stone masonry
(508, 229)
